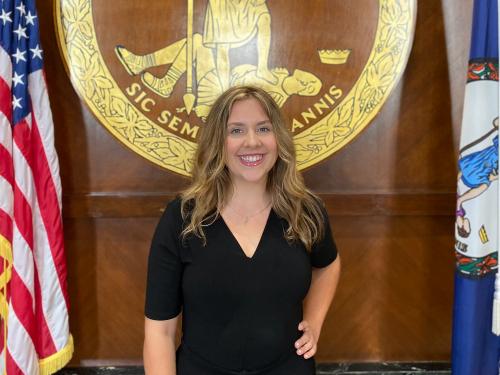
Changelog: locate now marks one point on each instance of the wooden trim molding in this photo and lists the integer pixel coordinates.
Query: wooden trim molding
(128, 204)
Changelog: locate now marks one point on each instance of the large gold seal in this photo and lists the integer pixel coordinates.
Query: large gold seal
(150, 71)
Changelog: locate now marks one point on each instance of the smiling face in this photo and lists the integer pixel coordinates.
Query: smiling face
(251, 148)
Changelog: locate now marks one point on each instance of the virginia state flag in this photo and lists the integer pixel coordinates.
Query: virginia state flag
(475, 349)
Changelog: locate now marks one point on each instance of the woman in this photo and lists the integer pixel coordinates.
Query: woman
(239, 252)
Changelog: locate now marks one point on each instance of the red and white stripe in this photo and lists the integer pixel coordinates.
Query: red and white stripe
(6, 175)
(31, 221)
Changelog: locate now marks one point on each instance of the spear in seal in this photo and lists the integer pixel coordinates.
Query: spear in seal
(189, 97)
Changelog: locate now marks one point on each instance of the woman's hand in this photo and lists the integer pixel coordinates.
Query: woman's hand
(307, 344)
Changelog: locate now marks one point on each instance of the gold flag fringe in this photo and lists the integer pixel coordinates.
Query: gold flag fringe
(57, 361)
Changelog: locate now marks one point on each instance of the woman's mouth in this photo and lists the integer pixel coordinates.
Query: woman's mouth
(251, 160)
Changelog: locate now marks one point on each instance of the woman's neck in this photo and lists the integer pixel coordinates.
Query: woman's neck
(249, 196)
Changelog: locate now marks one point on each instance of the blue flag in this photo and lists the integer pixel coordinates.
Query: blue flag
(475, 349)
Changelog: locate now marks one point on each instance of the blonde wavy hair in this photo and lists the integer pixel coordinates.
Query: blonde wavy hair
(211, 185)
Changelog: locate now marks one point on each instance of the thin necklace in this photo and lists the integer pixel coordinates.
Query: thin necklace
(246, 217)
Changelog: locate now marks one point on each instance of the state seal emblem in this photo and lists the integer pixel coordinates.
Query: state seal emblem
(150, 72)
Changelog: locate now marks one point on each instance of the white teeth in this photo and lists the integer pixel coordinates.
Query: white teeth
(251, 158)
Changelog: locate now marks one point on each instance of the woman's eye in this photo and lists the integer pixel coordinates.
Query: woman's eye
(235, 131)
(264, 129)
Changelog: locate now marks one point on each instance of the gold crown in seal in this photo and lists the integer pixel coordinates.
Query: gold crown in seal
(334, 56)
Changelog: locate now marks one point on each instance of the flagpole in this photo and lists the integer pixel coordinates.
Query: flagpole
(189, 97)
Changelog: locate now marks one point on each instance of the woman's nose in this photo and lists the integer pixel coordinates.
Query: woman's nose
(252, 139)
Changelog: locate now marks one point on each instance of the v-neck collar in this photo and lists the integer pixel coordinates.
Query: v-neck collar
(235, 240)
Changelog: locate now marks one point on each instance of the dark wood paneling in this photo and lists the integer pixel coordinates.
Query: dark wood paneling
(107, 263)
(395, 288)
(394, 299)
(390, 192)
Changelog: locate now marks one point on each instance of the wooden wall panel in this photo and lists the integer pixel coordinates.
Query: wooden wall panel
(107, 264)
(390, 193)
(393, 302)
(394, 297)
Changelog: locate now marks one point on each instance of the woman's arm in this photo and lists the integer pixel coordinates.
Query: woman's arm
(316, 304)
(159, 346)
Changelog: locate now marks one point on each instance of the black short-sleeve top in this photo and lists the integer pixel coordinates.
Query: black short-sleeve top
(239, 313)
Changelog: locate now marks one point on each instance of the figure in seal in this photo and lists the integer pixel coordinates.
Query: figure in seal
(209, 84)
(228, 24)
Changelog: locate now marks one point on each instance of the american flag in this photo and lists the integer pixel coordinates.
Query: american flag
(34, 334)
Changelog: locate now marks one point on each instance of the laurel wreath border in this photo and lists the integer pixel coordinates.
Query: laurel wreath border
(92, 80)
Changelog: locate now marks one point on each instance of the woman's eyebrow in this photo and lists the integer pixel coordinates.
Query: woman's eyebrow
(263, 122)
